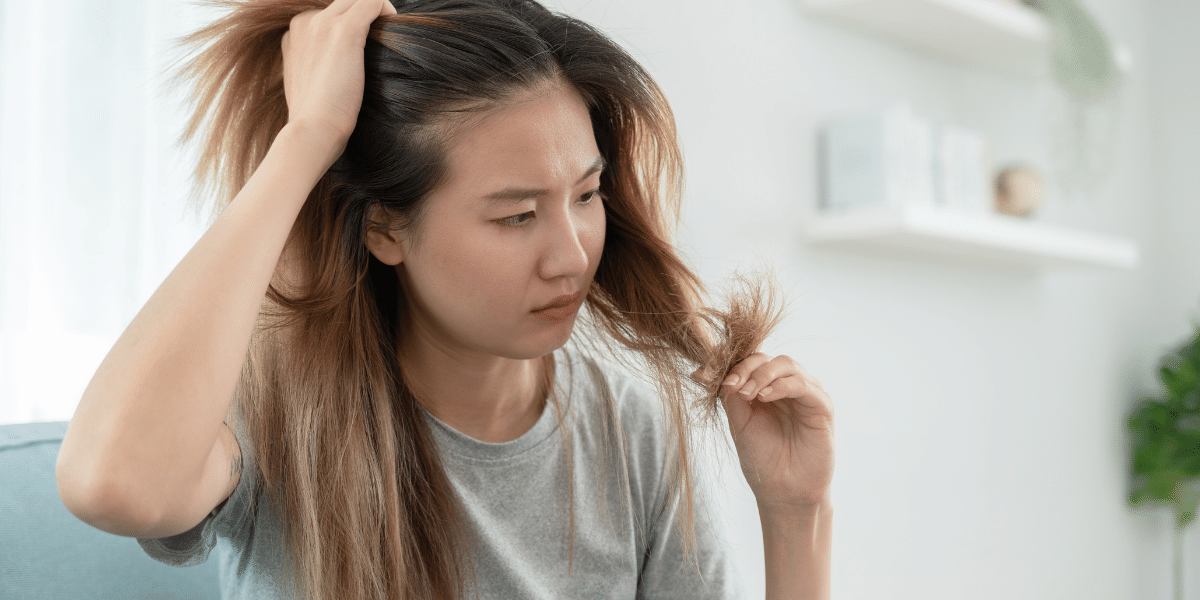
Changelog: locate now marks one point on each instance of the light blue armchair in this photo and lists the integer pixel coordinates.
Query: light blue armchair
(48, 554)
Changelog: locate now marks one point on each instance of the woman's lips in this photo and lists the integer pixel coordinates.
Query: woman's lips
(559, 309)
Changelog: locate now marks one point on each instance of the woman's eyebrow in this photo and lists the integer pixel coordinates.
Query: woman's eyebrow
(510, 195)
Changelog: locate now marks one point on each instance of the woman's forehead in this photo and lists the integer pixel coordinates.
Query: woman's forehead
(541, 137)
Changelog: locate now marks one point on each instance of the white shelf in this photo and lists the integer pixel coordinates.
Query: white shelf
(979, 238)
(1005, 36)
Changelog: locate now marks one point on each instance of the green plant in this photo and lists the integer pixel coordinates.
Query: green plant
(1166, 450)
(1166, 444)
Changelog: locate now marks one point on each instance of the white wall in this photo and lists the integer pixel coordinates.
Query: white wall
(979, 411)
(1175, 105)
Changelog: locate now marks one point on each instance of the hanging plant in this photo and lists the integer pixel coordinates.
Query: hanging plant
(1086, 68)
(1080, 54)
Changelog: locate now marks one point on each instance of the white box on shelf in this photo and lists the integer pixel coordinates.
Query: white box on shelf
(877, 159)
(963, 170)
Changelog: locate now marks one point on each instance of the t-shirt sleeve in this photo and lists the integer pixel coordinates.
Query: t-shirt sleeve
(708, 572)
(229, 519)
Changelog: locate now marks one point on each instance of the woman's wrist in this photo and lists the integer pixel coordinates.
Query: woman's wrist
(318, 145)
(297, 159)
(781, 516)
(797, 546)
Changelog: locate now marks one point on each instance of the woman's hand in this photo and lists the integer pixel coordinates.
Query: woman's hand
(323, 71)
(782, 425)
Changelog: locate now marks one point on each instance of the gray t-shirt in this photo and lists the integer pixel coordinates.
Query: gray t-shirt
(516, 504)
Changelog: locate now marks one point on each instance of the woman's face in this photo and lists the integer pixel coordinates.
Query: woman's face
(518, 224)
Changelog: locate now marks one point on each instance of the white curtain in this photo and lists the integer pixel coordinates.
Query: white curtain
(92, 187)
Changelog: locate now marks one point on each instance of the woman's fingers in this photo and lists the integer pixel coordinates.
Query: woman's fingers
(761, 372)
(739, 375)
(801, 387)
(767, 379)
(812, 405)
(359, 12)
(362, 9)
(369, 10)
(338, 7)
(323, 71)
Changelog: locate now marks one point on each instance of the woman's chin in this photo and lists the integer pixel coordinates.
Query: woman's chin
(546, 342)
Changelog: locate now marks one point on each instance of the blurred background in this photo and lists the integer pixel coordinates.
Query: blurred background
(981, 365)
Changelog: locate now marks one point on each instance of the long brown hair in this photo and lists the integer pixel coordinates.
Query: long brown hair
(341, 442)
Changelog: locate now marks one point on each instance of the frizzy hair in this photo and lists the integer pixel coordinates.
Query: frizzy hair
(341, 442)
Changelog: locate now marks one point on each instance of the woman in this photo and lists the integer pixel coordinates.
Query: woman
(425, 200)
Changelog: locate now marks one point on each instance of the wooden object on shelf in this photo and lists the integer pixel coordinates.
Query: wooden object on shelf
(979, 238)
(1001, 35)
(1018, 191)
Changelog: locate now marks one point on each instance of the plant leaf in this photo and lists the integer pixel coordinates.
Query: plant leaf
(1161, 486)
(1180, 380)
(1150, 458)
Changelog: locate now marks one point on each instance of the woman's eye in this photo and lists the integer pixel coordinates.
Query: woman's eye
(525, 217)
(517, 220)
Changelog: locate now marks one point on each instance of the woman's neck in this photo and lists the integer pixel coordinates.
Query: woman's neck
(486, 397)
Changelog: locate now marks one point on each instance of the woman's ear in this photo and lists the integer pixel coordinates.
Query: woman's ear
(383, 238)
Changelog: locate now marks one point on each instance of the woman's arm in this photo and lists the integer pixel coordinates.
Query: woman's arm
(796, 549)
(782, 425)
(137, 452)
(154, 408)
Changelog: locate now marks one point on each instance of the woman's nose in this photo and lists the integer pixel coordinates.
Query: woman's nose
(565, 253)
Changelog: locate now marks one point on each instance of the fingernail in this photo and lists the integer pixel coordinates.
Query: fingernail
(733, 379)
(765, 391)
(746, 391)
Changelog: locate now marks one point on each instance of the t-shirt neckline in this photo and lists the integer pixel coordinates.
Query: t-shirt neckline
(451, 440)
